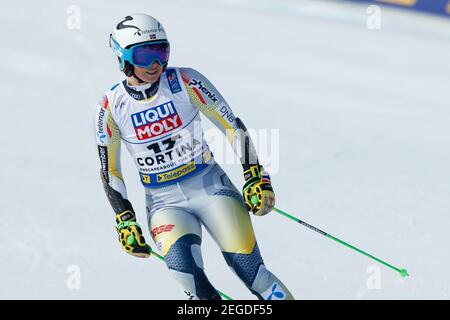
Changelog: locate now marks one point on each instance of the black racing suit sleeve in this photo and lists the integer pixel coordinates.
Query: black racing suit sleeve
(117, 201)
(248, 155)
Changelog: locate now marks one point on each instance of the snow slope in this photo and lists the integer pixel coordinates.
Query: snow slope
(363, 118)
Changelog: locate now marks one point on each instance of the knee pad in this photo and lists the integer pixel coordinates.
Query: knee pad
(184, 260)
(246, 266)
(261, 282)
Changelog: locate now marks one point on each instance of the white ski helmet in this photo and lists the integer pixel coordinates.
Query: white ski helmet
(132, 30)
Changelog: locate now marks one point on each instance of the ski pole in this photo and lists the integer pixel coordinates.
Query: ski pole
(160, 257)
(403, 272)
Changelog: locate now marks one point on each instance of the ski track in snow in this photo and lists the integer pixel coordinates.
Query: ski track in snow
(364, 133)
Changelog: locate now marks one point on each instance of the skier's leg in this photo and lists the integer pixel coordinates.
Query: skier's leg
(177, 234)
(226, 219)
(251, 270)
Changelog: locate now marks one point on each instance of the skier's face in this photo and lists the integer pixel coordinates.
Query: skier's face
(150, 74)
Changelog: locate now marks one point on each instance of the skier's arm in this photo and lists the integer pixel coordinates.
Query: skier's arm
(108, 143)
(209, 100)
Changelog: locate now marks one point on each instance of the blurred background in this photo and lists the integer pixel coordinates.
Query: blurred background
(358, 91)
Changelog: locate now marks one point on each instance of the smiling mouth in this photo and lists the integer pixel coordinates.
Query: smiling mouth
(152, 73)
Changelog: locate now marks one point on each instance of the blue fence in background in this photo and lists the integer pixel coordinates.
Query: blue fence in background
(441, 7)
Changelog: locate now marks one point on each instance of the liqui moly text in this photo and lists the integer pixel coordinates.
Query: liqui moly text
(156, 121)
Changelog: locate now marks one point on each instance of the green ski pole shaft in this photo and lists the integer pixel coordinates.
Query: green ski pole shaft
(402, 272)
(160, 257)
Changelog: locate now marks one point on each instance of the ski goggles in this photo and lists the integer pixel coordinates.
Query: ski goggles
(144, 54)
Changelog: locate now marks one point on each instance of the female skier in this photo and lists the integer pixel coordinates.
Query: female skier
(155, 112)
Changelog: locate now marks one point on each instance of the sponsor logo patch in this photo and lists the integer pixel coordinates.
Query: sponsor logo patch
(101, 137)
(103, 154)
(156, 121)
(172, 78)
(275, 292)
(198, 85)
(101, 134)
(145, 178)
(161, 229)
(176, 173)
(226, 113)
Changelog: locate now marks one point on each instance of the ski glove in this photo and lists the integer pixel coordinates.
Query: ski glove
(130, 235)
(258, 193)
